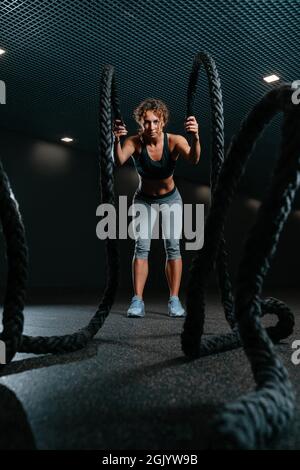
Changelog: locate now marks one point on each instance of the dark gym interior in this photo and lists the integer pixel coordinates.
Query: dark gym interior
(131, 386)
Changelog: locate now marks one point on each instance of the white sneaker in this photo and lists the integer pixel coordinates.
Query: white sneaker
(175, 308)
(137, 307)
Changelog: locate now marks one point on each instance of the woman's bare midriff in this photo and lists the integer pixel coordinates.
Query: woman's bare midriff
(156, 187)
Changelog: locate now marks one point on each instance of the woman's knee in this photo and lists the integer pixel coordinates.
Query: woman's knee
(172, 248)
(142, 248)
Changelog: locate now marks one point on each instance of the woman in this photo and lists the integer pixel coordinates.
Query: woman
(155, 154)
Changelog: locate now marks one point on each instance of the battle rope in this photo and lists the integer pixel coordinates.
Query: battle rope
(191, 343)
(17, 258)
(240, 424)
(217, 159)
(254, 420)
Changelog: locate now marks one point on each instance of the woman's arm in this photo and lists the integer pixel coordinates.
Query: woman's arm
(190, 153)
(122, 153)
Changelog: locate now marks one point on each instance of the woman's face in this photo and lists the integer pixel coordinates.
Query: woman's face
(152, 124)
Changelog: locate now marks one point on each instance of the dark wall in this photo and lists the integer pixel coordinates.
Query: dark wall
(58, 192)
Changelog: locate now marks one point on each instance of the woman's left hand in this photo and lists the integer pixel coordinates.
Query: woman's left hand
(191, 125)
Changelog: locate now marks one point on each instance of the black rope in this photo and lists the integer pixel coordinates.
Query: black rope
(17, 255)
(217, 159)
(254, 420)
(193, 328)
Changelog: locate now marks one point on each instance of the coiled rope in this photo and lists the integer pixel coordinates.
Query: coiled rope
(258, 417)
(17, 254)
(254, 420)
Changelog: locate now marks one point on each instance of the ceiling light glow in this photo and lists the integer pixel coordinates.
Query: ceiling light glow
(271, 78)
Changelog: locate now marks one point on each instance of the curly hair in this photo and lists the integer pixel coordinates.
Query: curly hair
(151, 104)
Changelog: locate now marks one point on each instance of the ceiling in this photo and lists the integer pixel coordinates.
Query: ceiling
(55, 50)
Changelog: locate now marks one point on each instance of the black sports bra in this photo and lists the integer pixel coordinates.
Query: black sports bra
(160, 169)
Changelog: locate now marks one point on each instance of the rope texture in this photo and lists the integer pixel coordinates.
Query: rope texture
(17, 255)
(255, 419)
(259, 417)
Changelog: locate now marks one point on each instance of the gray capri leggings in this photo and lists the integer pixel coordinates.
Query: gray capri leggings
(146, 222)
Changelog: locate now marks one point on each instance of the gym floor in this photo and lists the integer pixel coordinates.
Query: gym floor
(131, 388)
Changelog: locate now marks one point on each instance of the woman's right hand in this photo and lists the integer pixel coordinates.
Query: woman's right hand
(119, 129)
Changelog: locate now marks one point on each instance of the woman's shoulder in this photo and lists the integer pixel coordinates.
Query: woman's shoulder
(173, 140)
(174, 137)
(136, 141)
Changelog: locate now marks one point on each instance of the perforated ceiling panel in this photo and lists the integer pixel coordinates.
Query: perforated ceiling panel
(55, 51)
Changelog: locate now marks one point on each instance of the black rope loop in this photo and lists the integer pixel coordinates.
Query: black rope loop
(254, 420)
(17, 255)
(192, 342)
(217, 160)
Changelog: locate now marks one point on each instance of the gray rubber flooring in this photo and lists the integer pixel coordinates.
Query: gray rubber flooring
(131, 388)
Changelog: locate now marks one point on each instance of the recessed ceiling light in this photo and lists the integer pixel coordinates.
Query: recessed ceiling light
(271, 78)
(2, 51)
(66, 139)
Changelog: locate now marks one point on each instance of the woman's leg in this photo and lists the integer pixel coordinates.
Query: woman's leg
(140, 267)
(173, 271)
(172, 229)
(140, 271)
